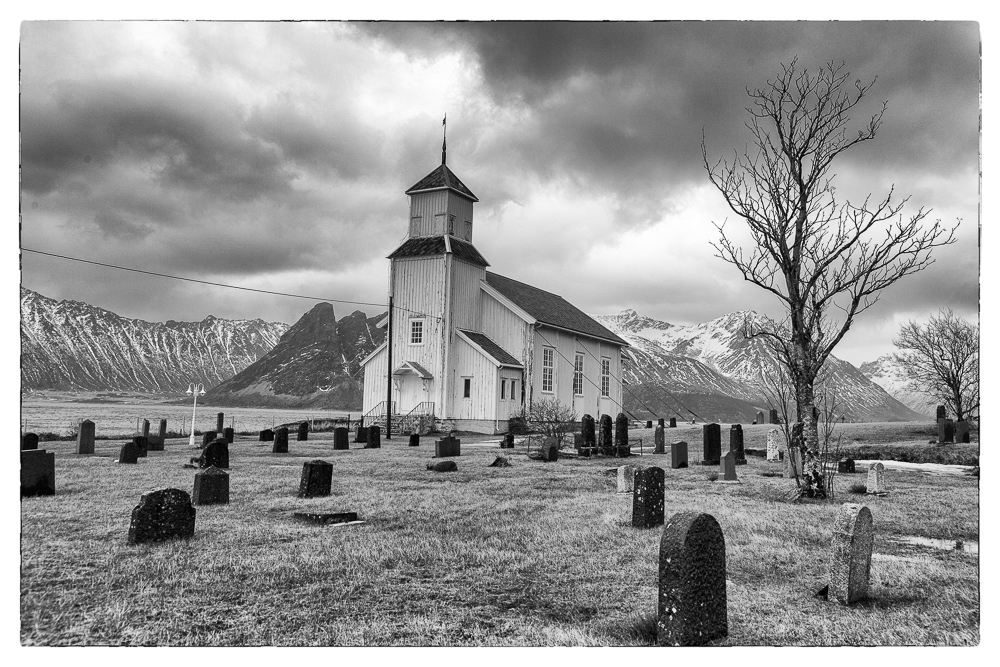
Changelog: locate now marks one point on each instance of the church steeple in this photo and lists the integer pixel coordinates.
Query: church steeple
(444, 142)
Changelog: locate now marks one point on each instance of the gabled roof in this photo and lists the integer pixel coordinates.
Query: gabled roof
(422, 246)
(442, 178)
(486, 344)
(412, 367)
(549, 308)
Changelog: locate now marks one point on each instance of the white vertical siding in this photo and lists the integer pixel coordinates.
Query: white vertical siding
(423, 208)
(465, 294)
(419, 292)
(510, 404)
(470, 362)
(567, 345)
(375, 381)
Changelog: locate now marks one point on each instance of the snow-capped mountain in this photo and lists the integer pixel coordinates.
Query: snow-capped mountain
(70, 345)
(719, 369)
(886, 373)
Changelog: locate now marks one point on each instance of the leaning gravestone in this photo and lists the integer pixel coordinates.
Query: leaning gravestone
(215, 454)
(303, 432)
(727, 466)
(29, 441)
(211, 487)
(946, 431)
(647, 497)
(208, 437)
(162, 515)
(658, 440)
(673, 422)
(678, 455)
(588, 429)
(447, 446)
(38, 472)
(317, 477)
(605, 441)
(141, 445)
(267, 435)
(941, 414)
(340, 438)
(773, 447)
(626, 478)
(711, 436)
(85, 438)
(621, 435)
(876, 479)
(280, 445)
(851, 554)
(129, 453)
(736, 444)
(691, 607)
(962, 431)
(220, 422)
(374, 437)
(361, 435)
(845, 466)
(228, 434)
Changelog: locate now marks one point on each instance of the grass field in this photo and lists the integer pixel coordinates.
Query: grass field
(534, 554)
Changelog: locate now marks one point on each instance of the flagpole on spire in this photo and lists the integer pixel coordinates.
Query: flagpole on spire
(444, 142)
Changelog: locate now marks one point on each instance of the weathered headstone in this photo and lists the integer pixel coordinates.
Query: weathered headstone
(773, 445)
(793, 462)
(845, 466)
(317, 477)
(876, 478)
(678, 455)
(415, 439)
(207, 437)
(621, 434)
(506, 443)
(447, 446)
(588, 429)
(228, 435)
(85, 438)
(162, 515)
(962, 431)
(851, 554)
(647, 497)
(340, 438)
(673, 422)
(361, 435)
(760, 417)
(29, 441)
(773, 417)
(626, 478)
(659, 422)
(267, 435)
(649, 423)
(550, 449)
(443, 466)
(303, 432)
(946, 431)
(605, 439)
(211, 487)
(374, 437)
(280, 445)
(156, 442)
(736, 444)
(727, 467)
(658, 440)
(711, 436)
(941, 414)
(220, 422)
(38, 472)
(215, 454)
(129, 453)
(145, 428)
(141, 445)
(691, 607)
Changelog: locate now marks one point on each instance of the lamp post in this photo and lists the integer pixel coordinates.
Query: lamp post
(195, 390)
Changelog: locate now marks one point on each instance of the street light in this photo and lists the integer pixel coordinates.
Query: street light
(195, 390)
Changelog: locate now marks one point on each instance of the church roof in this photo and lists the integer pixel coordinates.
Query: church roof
(442, 178)
(503, 357)
(422, 246)
(550, 308)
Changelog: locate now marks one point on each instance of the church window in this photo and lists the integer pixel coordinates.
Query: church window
(513, 396)
(605, 377)
(548, 365)
(416, 332)
(466, 387)
(451, 224)
(503, 389)
(578, 375)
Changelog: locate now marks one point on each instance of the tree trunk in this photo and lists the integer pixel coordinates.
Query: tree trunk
(813, 478)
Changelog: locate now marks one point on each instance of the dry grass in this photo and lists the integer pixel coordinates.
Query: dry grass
(535, 554)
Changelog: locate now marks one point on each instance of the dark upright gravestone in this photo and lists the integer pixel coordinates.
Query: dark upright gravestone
(506, 443)
(647, 497)
(550, 449)
(711, 435)
(673, 422)
(760, 417)
(228, 434)
(845, 466)
(659, 422)
(129, 453)
(280, 445)
(211, 487)
(340, 438)
(447, 446)
(141, 445)
(157, 441)
(207, 437)
(727, 466)
(29, 441)
(220, 422)
(588, 430)
(658, 440)
(38, 472)
(267, 435)
(678, 455)
(621, 435)
(946, 431)
(691, 609)
(773, 417)
(162, 515)
(374, 437)
(851, 554)
(85, 438)
(605, 441)
(145, 428)
(941, 414)
(215, 454)
(361, 435)
(303, 432)
(736, 444)
(649, 423)
(317, 477)
(962, 431)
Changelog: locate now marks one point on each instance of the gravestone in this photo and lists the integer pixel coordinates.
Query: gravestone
(317, 477)
(588, 429)
(626, 478)
(658, 440)
(851, 554)
(941, 414)
(267, 435)
(220, 422)
(605, 441)
(85, 438)
(415, 439)
(673, 422)
(760, 417)
(38, 472)
(157, 441)
(280, 445)
(211, 487)
(215, 454)
(962, 431)
(447, 446)
(773, 417)
(691, 606)
(141, 445)
(29, 441)
(845, 466)
(711, 436)
(374, 437)
(946, 431)
(876, 478)
(659, 422)
(736, 444)
(793, 462)
(340, 438)
(621, 434)
(361, 435)
(506, 443)
(145, 428)
(207, 437)
(647, 497)
(727, 467)
(303, 432)
(649, 423)
(129, 453)
(773, 445)
(162, 515)
(549, 450)
(228, 434)
(443, 466)
(678, 455)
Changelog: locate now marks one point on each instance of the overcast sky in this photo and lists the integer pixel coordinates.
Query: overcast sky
(275, 156)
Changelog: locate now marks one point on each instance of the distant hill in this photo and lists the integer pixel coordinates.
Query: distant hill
(886, 373)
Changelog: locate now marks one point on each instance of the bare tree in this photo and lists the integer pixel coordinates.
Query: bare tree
(942, 359)
(817, 255)
(552, 418)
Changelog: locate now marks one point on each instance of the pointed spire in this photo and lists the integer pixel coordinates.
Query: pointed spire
(444, 142)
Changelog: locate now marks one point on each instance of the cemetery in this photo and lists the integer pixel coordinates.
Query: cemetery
(315, 543)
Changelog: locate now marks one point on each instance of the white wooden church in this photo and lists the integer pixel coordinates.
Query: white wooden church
(472, 347)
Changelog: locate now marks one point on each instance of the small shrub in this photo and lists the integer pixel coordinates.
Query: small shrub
(712, 476)
(858, 488)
